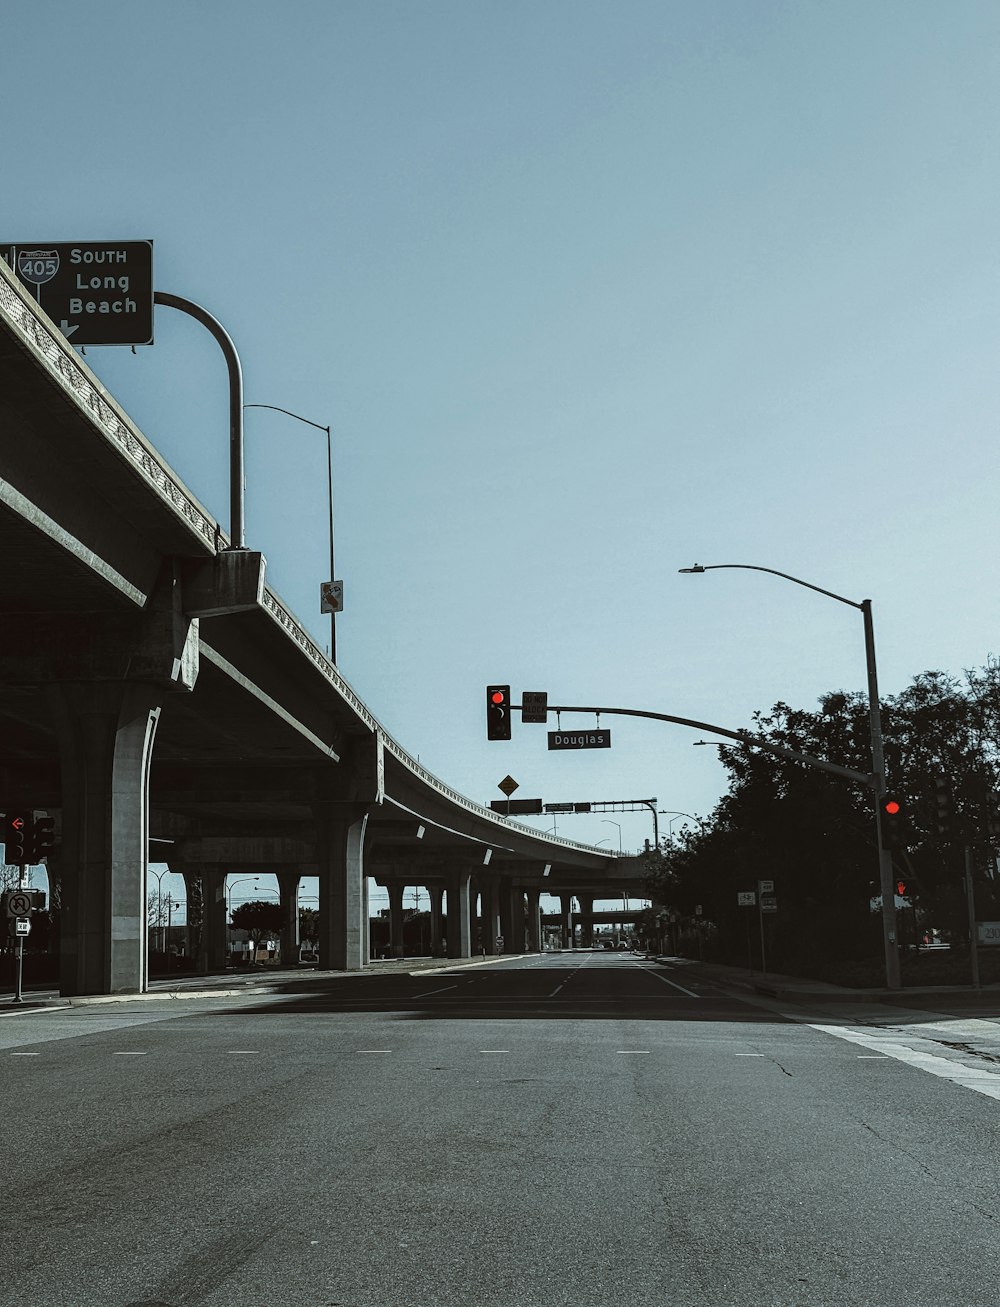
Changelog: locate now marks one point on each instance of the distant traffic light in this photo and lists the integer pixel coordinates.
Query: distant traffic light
(498, 712)
(891, 821)
(16, 827)
(901, 888)
(40, 840)
(944, 807)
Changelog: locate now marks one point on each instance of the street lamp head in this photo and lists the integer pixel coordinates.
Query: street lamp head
(697, 568)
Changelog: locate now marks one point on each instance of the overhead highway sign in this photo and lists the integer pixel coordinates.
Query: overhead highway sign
(97, 293)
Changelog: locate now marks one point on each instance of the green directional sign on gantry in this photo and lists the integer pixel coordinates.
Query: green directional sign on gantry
(96, 292)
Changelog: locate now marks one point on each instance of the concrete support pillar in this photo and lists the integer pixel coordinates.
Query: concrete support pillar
(566, 902)
(366, 947)
(105, 733)
(194, 896)
(215, 934)
(459, 943)
(396, 891)
(491, 916)
(511, 917)
(586, 920)
(341, 849)
(436, 894)
(534, 921)
(288, 888)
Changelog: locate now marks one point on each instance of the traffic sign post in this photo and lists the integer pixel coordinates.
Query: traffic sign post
(766, 902)
(97, 293)
(746, 899)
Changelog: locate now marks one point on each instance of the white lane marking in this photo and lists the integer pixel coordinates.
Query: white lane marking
(494, 1050)
(435, 991)
(142, 1054)
(254, 1052)
(633, 1050)
(969, 1077)
(650, 972)
(874, 1057)
(26, 1055)
(35, 1011)
(749, 1054)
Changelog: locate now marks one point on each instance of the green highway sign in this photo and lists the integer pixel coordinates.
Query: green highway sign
(97, 292)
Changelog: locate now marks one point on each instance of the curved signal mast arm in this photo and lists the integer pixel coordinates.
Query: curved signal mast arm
(742, 737)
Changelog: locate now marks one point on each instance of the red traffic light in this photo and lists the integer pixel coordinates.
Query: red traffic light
(498, 712)
(891, 807)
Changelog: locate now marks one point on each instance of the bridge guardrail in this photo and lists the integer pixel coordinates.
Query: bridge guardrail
(56, 354)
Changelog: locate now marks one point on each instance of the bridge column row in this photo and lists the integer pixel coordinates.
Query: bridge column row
(503, 914)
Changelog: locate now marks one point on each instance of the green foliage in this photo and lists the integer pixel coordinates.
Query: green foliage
(261, 919)
(814, 834)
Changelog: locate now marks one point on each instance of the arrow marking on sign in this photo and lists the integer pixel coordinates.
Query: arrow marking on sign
(67, 328)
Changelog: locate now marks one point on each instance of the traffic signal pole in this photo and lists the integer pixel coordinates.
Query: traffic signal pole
(875, 779)
(970, 899)
(890, 942)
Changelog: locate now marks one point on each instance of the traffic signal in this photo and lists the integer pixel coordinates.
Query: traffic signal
(16, 827)
(944, 807)
(901, 888)
(891, 821)
(40, 840)
(498, 712)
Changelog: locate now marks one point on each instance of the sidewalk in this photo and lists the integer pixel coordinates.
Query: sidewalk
(801, 989)
(232, 983)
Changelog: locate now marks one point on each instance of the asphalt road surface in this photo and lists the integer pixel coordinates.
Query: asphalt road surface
(579, 1129)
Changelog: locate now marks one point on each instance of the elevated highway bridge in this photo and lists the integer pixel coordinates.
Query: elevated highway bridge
(153, 686)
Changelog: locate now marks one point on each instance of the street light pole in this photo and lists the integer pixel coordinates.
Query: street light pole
(606, 821)
(229, 894)
(159, 899)
(329, 477)
(893, 978)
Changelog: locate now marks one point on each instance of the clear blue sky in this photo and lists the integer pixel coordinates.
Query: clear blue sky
(588, 292)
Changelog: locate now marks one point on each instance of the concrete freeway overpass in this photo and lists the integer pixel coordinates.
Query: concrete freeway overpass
(153, 686)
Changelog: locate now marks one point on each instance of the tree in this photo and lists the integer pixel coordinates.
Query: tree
(259, 918)
(308, 925)
(814, 834)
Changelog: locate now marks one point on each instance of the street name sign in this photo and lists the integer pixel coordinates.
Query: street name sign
(579, 739)
(97, 293)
